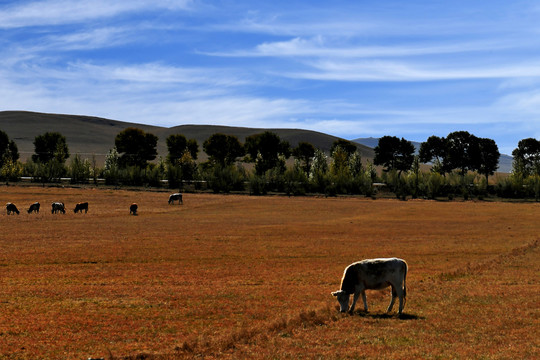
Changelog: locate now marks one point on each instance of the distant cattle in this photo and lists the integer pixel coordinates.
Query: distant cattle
(11, 209)
(133, 209)
(374, 274)
(80, 207)
(175, 197)
(58, 207)
(34, 208)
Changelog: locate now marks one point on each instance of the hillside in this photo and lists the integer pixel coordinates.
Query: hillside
(505, 161)
(90, 136)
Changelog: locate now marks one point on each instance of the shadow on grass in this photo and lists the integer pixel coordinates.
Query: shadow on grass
(403, 316)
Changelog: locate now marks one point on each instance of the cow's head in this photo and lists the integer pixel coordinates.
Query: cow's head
(343, 299)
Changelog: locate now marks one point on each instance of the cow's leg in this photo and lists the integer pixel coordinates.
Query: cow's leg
(365, 301)
(394, 295)
(400, 293)
(355, 299)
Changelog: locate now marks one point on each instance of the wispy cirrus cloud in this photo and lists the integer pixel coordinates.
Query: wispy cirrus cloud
(403, 71)
(346, 68)
(57, 12)
(322, 47)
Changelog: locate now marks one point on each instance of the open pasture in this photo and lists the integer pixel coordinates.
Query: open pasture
(250, 277)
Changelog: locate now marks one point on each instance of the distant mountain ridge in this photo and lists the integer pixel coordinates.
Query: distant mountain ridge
(93, 136)
(505, 161)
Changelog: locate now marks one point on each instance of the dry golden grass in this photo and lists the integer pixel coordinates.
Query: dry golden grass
(250, 277)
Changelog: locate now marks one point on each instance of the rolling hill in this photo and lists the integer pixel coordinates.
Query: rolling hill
(88, 136)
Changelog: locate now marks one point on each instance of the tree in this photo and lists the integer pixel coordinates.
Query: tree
(136, 147)
(304, 153)
(267, 150)
(177, 145)
(318, 176)
(460, 152)
(527, 157)
(111, 168)
(340, 161)
(394, 154)
(8, 149)
(347, 146)
(433, 150)
(79, 170)
(486, 157)
(11, 170)
(223, 149)
(193, 148)
(49, 146)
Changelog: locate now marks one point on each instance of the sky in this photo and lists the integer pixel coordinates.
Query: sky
(351, 69)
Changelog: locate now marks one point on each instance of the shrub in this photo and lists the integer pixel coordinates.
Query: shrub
(435, 182)
(11, 170)
(79, 170)
(225, 178)
(258, 185)
(295, 180)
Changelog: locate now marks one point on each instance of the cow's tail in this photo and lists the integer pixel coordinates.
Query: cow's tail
(404, 284)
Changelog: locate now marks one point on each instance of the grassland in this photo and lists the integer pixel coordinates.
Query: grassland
(250, 277)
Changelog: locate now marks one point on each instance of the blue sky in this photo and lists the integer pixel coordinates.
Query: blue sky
(348, 68)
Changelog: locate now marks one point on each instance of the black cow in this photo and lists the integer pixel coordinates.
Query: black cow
(174, 197)
(34, 208)
(80, 207)
(133, 209)
(11, 209)
(58, 207)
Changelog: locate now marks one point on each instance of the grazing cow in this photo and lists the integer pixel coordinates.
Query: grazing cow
(58, 207)
(11, 209)
(80, 207)
(133, 209)
(176, 196)
(374, 274)
(34, 208)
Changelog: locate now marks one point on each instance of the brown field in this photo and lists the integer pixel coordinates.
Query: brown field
(250, 277)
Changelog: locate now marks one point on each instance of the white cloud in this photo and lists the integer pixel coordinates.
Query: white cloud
(382, 70)
(57, 12)
(323, 47)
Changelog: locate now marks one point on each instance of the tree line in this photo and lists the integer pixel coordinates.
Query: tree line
(460, 164)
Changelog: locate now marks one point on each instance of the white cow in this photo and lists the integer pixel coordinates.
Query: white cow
(373, 274)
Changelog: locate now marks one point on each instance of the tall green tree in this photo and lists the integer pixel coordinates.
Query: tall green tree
(527, 157)
(193, 147)
(433, 150)
(348, 146)
(267, 150)
(49, 146)
(340, 161)
(223, 149)
(394, 154)
(461, 149)
(177, 145)
(8, 149)
(79, 170)
(304, 153)
(486, 157)
(136, 147)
